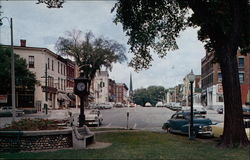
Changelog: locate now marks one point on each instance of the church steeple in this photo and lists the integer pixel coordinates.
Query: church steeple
(130, 87)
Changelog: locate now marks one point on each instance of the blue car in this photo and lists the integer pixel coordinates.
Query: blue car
(180, 122)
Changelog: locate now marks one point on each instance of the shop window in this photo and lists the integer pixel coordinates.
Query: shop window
(219, 98)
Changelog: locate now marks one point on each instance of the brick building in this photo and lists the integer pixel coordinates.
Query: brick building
(121, 93)
(111, 90)
(211, 79)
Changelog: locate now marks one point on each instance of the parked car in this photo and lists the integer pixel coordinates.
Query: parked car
(118, 105)
(6, 111)
(176, 106)
(200, 109)
(218, 130)
(148, 104)
(159, 104)
(246, 112)
(103, 106)
(220, 110)
(93, 117)
(180, 122)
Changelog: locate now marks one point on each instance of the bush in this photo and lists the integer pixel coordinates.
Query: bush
(34, 125)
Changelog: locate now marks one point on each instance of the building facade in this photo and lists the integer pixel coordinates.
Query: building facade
(42, 62)
(211, 78)
(112, 89)
(101, 87)
(121, 93)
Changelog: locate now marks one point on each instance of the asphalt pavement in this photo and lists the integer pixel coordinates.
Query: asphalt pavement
(143, 118)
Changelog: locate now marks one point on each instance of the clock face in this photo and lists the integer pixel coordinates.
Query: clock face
(80, 86)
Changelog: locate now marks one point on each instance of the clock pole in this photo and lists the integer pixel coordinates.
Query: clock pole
(82, 115)
(81, 88)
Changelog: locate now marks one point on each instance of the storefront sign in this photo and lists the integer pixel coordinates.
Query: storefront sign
(3, 98)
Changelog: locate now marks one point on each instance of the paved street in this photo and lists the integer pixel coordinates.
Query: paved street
(144, 118)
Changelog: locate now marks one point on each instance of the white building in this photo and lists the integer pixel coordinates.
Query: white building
(101, 84)
(215, 95)
(37, 59)
(196, 90)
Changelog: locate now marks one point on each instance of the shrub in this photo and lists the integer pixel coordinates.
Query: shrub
(34, 125)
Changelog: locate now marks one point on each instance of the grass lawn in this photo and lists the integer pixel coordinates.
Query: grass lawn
(142, 145)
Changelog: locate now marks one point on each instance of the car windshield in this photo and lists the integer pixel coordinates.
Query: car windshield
(94, 112)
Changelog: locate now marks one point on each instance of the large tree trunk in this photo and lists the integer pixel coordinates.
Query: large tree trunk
(234, 131)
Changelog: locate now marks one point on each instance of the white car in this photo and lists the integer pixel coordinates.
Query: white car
(7, 111)
(93, 117)
(200, 109)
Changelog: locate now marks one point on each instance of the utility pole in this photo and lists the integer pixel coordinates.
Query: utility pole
(46, 89)
(13, 86)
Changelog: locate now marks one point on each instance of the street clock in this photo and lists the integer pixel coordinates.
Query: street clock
(81, 86)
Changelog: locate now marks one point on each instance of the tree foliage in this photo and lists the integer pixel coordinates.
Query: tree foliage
(155, 24)
(24, 79)
(90, 53)
(152, 94)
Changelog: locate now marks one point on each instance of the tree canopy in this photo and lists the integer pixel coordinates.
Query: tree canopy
(152, 94)
(155, 24)
(24, 79)
(89, 52)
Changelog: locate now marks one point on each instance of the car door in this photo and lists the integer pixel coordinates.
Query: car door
(177, 122)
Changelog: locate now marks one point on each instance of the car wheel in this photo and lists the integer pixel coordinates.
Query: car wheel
(194, 134)
(169, 130)
(99, 123)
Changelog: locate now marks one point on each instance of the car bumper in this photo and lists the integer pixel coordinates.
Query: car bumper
(93, 122)
(206, 133)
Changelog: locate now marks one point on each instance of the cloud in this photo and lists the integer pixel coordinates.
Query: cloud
(41, 27)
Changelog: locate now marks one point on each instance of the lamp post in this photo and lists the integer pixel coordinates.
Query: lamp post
(191, 78)
(81, 88)
(13, 86)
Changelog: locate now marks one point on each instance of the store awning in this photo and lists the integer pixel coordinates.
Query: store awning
(62, 96)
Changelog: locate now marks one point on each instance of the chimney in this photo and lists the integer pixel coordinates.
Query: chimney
(23, 42)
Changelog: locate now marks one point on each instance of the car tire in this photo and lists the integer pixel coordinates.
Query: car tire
(194, 134)
(169, 130)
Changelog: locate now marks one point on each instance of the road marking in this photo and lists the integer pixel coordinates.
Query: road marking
(134, 126)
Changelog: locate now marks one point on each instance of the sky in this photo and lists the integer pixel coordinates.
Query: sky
(41, 27)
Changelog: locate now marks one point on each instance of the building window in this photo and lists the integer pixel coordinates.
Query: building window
(241, 77)
(48, 63)
(102, 84)
(61, 68)
(241, 63)
(31, 61)
(64, 70)
(61, 84)
(52, 67)
(58, 83)
(219, 77)
(64, 84)
(58, 67)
